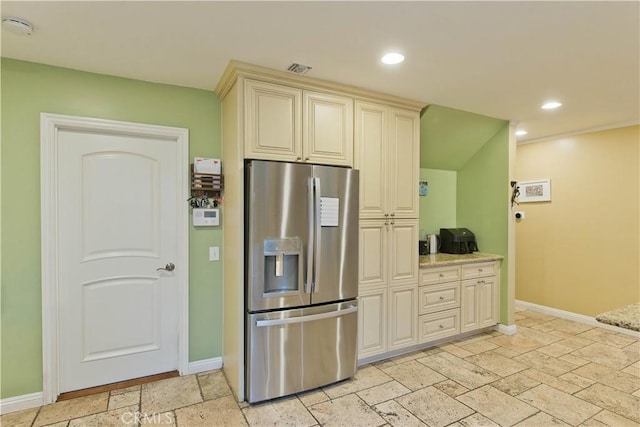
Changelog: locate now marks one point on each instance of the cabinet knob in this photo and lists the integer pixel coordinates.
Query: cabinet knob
(441, 298)
(298, 158)
(480, 270)
(307, 158)
(386, 215)
(441, 327)
(393, 214)
(441, 275)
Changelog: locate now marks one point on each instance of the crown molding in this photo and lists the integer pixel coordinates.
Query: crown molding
(237, 69)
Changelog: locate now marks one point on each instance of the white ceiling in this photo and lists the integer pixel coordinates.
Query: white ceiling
(500, 59)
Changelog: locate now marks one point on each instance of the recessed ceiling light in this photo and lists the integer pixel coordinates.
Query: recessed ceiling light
(17, 26)
(521, 132)
(551, 105)
(393, 58)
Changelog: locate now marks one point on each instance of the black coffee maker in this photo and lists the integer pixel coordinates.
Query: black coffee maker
(457, 241)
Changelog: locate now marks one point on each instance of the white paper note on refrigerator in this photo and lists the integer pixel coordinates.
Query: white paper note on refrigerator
(329, 211)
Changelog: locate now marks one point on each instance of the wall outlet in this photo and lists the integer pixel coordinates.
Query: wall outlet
(214, 253)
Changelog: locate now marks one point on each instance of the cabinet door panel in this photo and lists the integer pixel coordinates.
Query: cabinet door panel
(487, 307)
(403, 316)
(328, 129)
(468, 305)
(373, 253)
(272, 121)
(404, 156)
(404, 252)
(371, 158)
(372, 321)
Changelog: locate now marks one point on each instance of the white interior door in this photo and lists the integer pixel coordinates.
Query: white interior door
(117, 224)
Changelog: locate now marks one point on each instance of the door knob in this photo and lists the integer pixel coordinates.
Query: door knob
(168, 267)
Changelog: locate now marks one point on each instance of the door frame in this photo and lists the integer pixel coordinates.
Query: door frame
(50, 125)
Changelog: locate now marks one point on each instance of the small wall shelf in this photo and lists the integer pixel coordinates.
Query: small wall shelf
(206, 184)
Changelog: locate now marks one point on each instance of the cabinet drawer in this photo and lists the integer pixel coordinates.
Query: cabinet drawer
(439, 297)
(439, 325)
(471, 271)
(431, 276)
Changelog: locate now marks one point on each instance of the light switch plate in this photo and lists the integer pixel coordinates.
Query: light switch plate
(214, 253)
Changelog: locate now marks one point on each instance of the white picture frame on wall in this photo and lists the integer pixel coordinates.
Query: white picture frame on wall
(535, 191)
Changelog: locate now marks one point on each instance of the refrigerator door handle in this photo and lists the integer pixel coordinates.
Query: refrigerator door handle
(310, 243)
(309, 318)
(316, 262)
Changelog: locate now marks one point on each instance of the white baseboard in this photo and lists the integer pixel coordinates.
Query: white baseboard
(506, 329)
(204, 365)
(19, 403)
(591, 321)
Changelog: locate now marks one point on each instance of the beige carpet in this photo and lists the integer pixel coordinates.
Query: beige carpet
(626, 317)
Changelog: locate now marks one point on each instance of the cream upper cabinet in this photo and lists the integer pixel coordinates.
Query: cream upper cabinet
(387, 147)
(291, 124)
(273, 121)
(371, 136)
(404, 158)
(327, 129)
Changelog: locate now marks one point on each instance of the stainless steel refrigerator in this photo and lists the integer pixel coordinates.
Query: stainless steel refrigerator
(301, 277)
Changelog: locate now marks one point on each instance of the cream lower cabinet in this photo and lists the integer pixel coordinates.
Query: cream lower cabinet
(479, 303)
(439, 303)
(403, 316)
(388, 271)
(372, 321)
(458, 298)
(290, 124)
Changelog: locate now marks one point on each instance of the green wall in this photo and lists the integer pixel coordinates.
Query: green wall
(450, 137)
(438, 208)
(29, 89)
(482, 201)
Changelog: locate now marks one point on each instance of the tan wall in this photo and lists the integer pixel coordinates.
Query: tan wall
(581, 251)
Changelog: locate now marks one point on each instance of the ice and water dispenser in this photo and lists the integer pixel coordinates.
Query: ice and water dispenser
(282, 265)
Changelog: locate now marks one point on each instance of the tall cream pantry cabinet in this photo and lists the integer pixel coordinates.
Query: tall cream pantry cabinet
(387, 153)
(276, 115)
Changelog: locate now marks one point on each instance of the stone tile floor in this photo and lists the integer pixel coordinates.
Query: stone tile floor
(553, 372)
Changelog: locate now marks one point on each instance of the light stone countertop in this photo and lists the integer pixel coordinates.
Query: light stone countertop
(441, 259)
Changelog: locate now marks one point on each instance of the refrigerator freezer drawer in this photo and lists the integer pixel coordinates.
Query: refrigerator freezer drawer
(291, 351)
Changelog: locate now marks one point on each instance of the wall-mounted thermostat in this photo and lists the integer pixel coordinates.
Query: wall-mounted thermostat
(206, 217)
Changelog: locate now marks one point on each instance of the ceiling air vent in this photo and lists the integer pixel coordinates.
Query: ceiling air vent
(298, 68)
